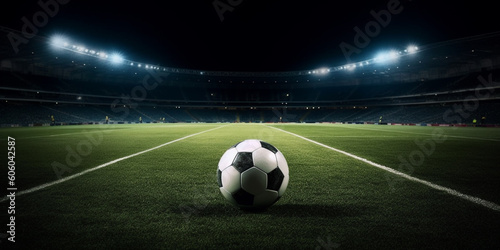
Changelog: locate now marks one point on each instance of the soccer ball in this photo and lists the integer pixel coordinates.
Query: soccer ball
(252, 174)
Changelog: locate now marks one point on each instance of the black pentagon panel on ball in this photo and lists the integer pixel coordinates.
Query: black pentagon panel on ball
(219, 177)
(275, 179)
(243, 161)
(269, 147)
(243, 198)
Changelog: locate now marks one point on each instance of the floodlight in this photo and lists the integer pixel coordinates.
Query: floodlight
(321, 71)
(393, 55)
(411, 49)
(59, 41)
(116, 58)
(381, 57)
(385, 57)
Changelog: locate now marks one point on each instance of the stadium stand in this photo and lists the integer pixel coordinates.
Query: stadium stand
(433, 88)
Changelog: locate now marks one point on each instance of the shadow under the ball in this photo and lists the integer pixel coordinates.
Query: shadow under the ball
(285, 210)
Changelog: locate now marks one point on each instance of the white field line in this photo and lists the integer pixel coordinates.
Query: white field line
(49, 184)
(453, 192)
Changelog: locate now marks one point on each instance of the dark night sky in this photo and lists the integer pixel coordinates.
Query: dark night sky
(257, 35)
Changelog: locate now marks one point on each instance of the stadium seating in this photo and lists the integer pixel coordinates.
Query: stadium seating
(31, 100)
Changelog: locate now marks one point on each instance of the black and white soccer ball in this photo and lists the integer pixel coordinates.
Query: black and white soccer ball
(252, 174)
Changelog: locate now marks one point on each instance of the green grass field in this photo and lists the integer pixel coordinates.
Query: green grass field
(167, 197)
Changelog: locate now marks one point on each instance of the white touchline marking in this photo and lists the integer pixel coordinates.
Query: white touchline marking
(453, 192)
(49, 184)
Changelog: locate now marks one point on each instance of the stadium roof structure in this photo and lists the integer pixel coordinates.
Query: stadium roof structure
(432, 61)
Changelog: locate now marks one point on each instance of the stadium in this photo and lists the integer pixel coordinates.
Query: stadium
(452, 75)
(106, 150)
